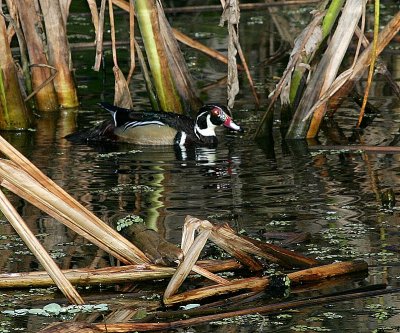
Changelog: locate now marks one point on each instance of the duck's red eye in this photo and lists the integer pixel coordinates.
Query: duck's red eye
(215, 111)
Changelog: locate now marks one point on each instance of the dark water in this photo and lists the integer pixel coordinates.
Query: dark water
(256, 187)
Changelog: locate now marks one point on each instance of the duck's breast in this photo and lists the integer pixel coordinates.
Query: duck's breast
(150, 134)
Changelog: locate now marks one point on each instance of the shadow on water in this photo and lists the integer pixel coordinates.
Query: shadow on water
(269, 189)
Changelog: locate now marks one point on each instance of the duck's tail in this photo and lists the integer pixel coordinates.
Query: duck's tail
(102, 132)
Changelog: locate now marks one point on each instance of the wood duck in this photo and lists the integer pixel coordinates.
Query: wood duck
(160, 128)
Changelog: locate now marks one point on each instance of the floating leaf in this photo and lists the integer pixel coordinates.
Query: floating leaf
(52, 308)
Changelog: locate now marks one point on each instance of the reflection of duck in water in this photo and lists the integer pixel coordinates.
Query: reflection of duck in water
(160, 128)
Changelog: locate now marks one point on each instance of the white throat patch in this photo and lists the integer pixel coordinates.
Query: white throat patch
(208, 131)
(114, 115)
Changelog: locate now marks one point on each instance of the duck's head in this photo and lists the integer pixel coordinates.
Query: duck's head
(212, 115)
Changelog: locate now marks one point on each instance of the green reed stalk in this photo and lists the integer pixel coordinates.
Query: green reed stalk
(147, 17)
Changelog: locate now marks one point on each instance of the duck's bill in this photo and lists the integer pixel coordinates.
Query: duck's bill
(229, 123)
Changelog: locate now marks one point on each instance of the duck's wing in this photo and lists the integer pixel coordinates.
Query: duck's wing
(128, 118)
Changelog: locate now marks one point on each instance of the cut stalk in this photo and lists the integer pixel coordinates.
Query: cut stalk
(186, 266)
(346, 81)
(122, 94)
(98, 21)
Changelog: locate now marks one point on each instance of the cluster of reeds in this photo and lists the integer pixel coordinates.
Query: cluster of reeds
(46, 68)
(41, 32)
(312, 82)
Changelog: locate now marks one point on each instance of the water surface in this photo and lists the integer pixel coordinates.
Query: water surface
(256, 187)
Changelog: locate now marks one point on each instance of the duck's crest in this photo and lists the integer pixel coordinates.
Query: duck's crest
(112, 109)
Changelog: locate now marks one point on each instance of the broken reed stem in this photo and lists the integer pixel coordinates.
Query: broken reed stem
(95, 15)
(147, 79)
(188, 237)
(389, 32)
(207, 274)
(240, 247)
(37, 249)
(43, 84)
(194, 44)
(99, 35)
(286, 257)
(326, 72)
(187, 264)
(372, 64)
(112, 33)
(327, 271)
(53, 213)
(131, 40)
(248, 74)
(125, 250)
(254, 283)
(286, 75)
(189, 229)
(74, 217)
